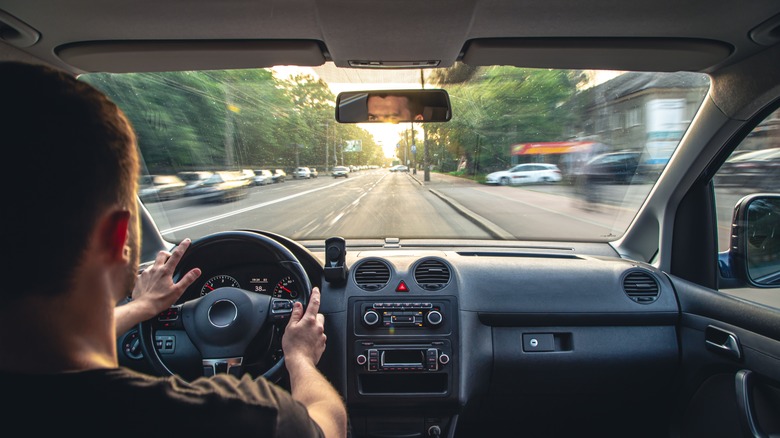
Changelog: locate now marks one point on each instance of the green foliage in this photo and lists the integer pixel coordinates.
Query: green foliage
(233, 119)
(500, 106)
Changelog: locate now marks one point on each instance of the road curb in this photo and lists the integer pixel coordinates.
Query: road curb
(491, 228)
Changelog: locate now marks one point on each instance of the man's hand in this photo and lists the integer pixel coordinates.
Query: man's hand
(155, 290)
(303, 344)
(304, 338)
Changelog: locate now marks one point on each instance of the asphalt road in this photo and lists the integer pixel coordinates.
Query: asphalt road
(377, 203)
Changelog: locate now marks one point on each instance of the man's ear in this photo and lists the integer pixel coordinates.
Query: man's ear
(114, 234)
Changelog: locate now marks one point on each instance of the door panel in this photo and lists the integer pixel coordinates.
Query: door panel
(744, 340)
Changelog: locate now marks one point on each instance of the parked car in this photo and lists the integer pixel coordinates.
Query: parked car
(193, 179)
(451, 309)
(399, 168)
(223, 186)
(527, 173)
(758, 169)
(612, 167)
(279, 176)
(340, 171)
(263, 177)
(302, 173)
(153, 188)
(313, 172)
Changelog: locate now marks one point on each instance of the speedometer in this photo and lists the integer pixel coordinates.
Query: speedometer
(217, 282)
(286, 288)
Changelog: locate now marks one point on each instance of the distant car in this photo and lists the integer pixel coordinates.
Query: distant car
(279, 176)
(263, 177)
(302, 173)
(528, 173)
(612, 167)
(399, 168)
(223, 187)
(758, 169)
(340, 171)
(193, 179)
(153, 188)
(314, 173)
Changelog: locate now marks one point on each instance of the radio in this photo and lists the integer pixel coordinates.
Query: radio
(406, 314)
(404, 357)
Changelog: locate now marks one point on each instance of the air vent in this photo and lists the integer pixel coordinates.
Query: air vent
(372, 275)
(641, 287)
(432, 274)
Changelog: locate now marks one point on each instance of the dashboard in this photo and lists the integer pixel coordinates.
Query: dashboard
(424, 339)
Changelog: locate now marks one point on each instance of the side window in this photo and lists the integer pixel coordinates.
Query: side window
(753, 167)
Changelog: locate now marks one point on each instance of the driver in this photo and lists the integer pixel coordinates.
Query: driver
(75, 255)
(390, 108)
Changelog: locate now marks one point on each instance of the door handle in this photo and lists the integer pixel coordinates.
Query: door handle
(747, 415)
(722, 341)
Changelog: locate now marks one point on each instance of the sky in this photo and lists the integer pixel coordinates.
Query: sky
(386, 135)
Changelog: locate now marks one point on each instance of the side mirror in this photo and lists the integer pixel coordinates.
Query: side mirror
(754, 252)
(393, 106)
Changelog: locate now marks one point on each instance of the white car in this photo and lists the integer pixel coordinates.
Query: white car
(528, 173)
(263, 177)
(340, 171)
(302, 173)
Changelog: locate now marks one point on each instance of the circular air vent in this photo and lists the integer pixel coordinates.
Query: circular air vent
(641, 287)
(372, 275)
(432, 274)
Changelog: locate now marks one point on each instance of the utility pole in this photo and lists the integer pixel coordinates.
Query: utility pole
(327, 143)
(414, 152)
(426, 150)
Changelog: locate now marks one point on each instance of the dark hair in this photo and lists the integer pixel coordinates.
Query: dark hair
(75, 158)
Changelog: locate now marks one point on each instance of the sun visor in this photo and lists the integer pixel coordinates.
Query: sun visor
(154, 56)
(635, 54)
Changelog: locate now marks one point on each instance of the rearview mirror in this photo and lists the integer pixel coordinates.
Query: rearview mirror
(393, 106)
(755, 240)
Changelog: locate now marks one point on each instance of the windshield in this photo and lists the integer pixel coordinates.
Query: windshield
(418, 180)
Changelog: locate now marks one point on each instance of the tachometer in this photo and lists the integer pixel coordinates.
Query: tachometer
(286, 288)
(217, 282)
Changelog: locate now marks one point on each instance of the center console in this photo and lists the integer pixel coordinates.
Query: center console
(403, 376)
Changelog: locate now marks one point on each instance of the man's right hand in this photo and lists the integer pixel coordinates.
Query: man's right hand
(304, 338)
(303, 344)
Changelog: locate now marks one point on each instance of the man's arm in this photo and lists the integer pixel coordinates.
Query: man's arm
(155, 290)
(303, 344)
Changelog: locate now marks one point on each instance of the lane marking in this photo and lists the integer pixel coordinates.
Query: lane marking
(254, 207)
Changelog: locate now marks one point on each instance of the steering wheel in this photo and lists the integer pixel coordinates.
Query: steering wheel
(229, 328)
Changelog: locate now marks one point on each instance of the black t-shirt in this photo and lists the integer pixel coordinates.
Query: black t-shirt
(122, 402)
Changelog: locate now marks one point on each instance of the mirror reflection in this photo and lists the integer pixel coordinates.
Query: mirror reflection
(763, 240)
(393, 106)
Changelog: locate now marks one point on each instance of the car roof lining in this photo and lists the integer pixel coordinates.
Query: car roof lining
(77, 35)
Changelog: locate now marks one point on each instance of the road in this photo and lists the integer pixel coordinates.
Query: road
(368, 204)
(376, 204)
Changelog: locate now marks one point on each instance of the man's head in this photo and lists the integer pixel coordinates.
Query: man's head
(76, 168)
(392, 109)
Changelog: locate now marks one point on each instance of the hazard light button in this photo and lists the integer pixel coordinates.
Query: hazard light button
(402, 287)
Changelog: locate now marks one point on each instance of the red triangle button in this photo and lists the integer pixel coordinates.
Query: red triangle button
(402, 287)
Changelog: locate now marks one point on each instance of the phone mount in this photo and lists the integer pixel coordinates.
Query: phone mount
(335, 255)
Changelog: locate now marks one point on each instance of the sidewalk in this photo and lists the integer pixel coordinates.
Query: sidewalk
(440, 181)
